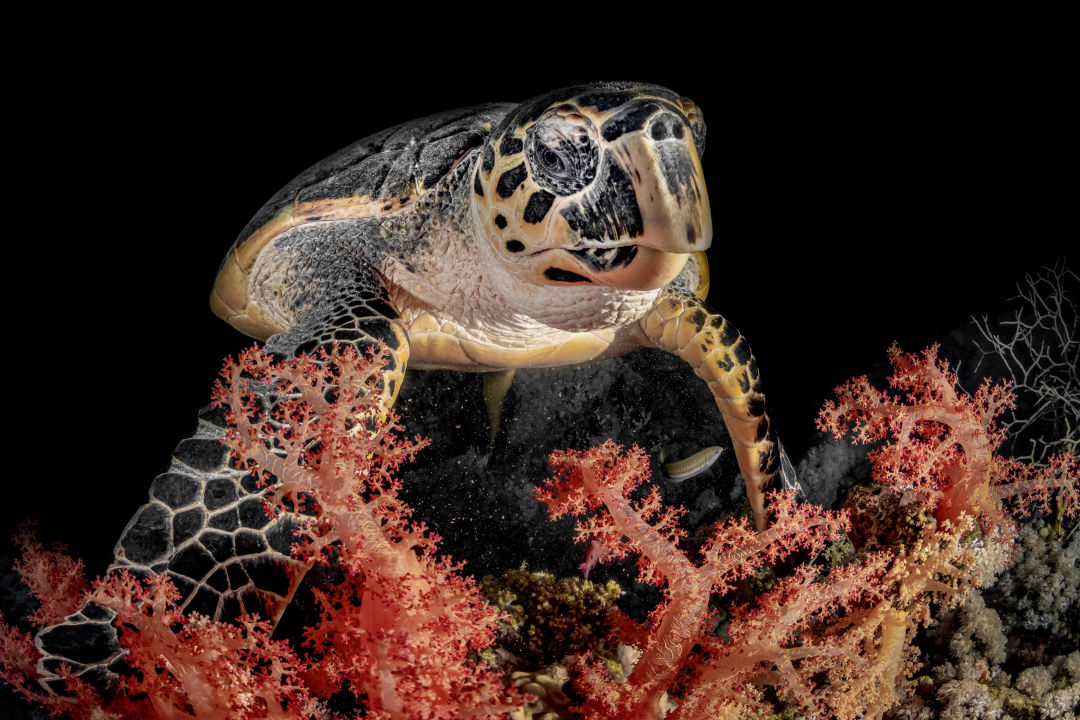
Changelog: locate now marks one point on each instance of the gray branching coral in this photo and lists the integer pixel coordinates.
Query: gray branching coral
(1038, 346)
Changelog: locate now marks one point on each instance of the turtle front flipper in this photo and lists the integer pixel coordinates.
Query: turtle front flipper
(681, 323)
(359, 313)
(205, 527)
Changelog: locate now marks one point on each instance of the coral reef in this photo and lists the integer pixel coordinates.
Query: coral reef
(839, 619)
(549, 617)
(399, 629)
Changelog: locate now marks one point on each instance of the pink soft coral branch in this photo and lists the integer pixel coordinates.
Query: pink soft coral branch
(598, 483)
(406, 644)
(942, 443)
(399, 632)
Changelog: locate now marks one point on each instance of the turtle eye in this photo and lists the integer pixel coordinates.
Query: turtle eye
(561, 154)
(551, 160)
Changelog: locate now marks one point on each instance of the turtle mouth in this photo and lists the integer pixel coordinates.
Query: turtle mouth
(606, 259)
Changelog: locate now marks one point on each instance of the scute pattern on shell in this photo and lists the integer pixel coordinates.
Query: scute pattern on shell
(390, 165)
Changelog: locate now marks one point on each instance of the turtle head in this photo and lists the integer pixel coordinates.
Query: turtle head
(599, 184)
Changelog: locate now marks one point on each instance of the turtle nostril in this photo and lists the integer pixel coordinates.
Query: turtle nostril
(665, 126)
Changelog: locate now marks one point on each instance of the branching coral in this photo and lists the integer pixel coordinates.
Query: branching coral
(939, 456)
(193, 667)
(834, 647)
(400, 630)
(58, 583)
(771, 643)
(396, 633)
(1038, 347)
(942, 443)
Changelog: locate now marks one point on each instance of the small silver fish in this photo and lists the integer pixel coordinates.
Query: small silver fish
(691, 466)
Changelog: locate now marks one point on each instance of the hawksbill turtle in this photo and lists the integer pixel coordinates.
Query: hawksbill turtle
(568, 228)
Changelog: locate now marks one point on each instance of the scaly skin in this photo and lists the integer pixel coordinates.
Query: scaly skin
(683, 324)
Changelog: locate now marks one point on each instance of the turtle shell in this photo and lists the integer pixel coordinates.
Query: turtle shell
(377, 175)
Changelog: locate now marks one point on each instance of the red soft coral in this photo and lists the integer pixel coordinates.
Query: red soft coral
(597, 483)
(193, 667)
(942, 442)
(55, 579)
(837, 647)
(400, 628)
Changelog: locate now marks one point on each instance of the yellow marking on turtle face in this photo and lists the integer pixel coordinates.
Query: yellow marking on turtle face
(229, 301)
(702, 289)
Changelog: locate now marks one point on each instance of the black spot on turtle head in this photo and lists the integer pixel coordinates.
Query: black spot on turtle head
(666, 126)
(560, 275)
(677, 168)
(630, 119)
(510, 145)
(500, 221)
(609, 210)
(514, 246)
(489, 158)
(603, 100)
(537, 207)
(478, 188)
(510, 180)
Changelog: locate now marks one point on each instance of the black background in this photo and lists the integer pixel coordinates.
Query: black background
(863, 191)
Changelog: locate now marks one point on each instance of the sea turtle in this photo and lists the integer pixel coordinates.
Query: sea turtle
(568, 228)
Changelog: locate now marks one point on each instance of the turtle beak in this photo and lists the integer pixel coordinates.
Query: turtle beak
(647, 210)
(665, 170)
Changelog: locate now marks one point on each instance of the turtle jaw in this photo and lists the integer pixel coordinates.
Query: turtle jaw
(628, 266)
(650, 269)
